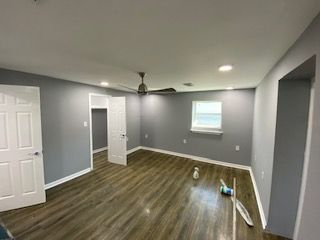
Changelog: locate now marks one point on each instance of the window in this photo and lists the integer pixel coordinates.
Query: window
(206, 117)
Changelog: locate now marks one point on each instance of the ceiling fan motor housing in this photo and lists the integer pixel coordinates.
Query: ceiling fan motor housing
(143, 89)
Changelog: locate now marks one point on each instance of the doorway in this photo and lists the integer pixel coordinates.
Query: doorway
(114, 134)
(99, 133)
(99, 130)
(291, 148)
(98, 103)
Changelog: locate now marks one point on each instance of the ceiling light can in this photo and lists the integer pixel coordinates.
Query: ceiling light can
(104, 84)
(225, 68)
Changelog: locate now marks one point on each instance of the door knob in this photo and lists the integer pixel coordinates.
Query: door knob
(34, 154)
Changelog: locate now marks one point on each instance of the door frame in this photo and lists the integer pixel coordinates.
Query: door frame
(90, 107)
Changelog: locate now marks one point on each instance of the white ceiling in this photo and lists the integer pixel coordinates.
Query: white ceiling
(174, 41)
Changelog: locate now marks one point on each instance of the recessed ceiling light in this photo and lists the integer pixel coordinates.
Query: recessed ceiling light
(104, 84)
(229, 88)
(225, 68)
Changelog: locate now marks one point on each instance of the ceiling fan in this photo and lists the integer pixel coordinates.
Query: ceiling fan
(143, 89)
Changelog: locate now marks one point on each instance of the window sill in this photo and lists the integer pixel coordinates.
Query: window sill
(205, 131)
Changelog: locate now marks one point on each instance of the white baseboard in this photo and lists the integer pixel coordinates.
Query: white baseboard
(66, 179)
(134, 149)
(200, 159)
(100, 150)
(262, 216)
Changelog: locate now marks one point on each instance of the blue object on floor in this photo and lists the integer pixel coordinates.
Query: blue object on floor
(4, 234)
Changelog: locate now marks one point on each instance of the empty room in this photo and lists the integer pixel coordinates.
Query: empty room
(149, 119)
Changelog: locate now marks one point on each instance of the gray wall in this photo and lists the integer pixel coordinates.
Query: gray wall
(290, 142)
(265, 125)
(64, 108)
(167, 121)
(99, 128)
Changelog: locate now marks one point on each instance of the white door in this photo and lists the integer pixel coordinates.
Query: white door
(117, 131)
(21, 164)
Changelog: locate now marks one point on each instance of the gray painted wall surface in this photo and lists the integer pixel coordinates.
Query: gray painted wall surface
(290, 142)
(307, 46)
(64, 108)
(167, 121)
(99, 128)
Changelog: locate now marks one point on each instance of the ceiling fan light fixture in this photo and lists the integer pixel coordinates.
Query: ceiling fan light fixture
(142, 89)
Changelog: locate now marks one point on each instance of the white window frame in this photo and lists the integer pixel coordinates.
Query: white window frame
(205, 129)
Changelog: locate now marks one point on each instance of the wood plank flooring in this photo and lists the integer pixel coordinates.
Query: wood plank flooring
(154, 197)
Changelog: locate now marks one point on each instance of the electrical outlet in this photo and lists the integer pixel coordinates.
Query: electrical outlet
(85, 124)
(184, 141)
(262, 175)
(146, 136)
(237, 148)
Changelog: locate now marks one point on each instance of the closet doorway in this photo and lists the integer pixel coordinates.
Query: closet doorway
(115, 136)
(98, 114)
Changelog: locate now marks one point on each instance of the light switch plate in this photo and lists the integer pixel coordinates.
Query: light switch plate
(85, 124)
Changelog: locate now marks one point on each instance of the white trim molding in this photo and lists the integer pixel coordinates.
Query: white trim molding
(213, 132)
(66, 179)
(262, 215)
(100, 150)
(134, 149)
(200, 159)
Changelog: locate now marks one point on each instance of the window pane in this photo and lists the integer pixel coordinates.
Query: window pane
(210, 120)
(207, 114)
(208, 107)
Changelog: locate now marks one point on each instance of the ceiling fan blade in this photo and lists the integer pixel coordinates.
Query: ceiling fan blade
(131, 89)
(163, 91)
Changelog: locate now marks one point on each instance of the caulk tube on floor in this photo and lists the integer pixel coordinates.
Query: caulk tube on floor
(226, 190)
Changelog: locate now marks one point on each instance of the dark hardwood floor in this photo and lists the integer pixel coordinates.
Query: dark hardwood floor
(154, 197)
